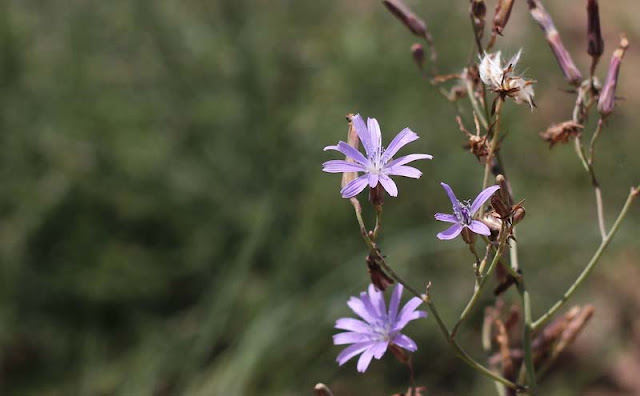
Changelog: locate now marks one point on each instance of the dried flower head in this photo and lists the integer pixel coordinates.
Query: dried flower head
(463, 213)
(561, 133)
(379, 164)
(379, 328)
(501, 79)
(595, 43)
(476, 144)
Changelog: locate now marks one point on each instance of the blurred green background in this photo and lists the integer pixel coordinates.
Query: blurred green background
(165, 227)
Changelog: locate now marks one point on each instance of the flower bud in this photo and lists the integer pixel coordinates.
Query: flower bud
(376, 195)
(478, 11)
(399, 353)
(595, 44)
(407, 17)
(518, 215)
(608, 94)
(468, 236)
(379, 279)
(540, 15)
(417, 50)
(322, 390)
(503, 12)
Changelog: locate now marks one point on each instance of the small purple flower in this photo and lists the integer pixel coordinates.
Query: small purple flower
(463, 212)
(380, 328)
(378, 164)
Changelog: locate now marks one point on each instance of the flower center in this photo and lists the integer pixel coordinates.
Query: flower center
(382, 329)
(464, 213)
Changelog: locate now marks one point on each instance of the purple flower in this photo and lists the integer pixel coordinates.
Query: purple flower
(378, 164)
(380, 328)
(463, 212)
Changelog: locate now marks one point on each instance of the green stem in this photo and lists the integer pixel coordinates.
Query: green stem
(527, 330)
(590, 266)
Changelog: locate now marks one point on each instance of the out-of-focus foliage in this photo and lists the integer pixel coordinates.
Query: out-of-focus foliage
(165, 227)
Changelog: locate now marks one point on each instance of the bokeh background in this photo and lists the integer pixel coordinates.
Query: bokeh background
(165, 227)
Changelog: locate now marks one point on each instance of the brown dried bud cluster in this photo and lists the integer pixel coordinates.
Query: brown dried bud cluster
(607, 99)
(476, 144)
(561, 133)
(595, 43)
(540, 15)
(503, 206)
(378, 277)
(416, 25)
(502, 14)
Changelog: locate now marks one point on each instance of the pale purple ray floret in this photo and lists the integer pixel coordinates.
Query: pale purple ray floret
(463, 213)
(379, 327)
(378, 165)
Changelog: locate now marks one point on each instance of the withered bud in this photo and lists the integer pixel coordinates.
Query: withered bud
(540, 15)
(518, 215)
(322, 390)
(478, 10)
(378, 277)
(353, 141)
(417, 50)
(503, 12)
(561, 133)
(407, 17)
(468, 236)
(608, 94)
(504, 191)
(500, 206)
(595, 44)
(493, 221)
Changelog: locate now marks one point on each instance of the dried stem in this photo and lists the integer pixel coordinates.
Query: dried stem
(494, 145)
(591, 265)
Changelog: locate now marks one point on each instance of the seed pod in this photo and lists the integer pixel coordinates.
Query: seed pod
(379, 279)
(353, 141)
(518, 215)
(595, 44)
(407, 17)
(478, 10)
(540, 15)
(608, 94)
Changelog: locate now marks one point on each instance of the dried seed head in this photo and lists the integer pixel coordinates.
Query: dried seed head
(417, 50)
(407, 17)
(540, 15)
(478, 10)
(608, 94)
(503, 12)
(595, 44)
(561, 133)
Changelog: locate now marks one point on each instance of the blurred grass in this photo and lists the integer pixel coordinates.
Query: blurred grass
(165, 227)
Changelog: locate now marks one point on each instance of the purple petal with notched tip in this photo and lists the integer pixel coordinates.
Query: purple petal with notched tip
(405, 342)
(403, 138)
(352, 324)
(452, 198)
(350, 338)
(450, 232)
(349, 151)
(363, 134)
(376, 135)
(449, 218)
(340, 166)
(395, 302)
(406, 159)
(482, 198)
(389, 185)
(479, 228)
(353, 350)
(355, 187)
(403, 170)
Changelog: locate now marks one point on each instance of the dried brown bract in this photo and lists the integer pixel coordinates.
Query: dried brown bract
(476, 144)
(378, 277)
(561, 133)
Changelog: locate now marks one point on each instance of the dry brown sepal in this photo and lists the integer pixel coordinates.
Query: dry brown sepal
(353, 141)
(561, 133)
(595, 43)
(378, 277)
(322, 390)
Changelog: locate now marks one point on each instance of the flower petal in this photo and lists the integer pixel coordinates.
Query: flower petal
(379, 349)
(405, 342)
(479, 228)
(373, 179)
(358, 306)
(365, 359)
(394, 304)
(352, 324)
(371, 309)
(377, 300)
(403, 138)
(389, 185)
(452, 197)
(450, 232)
(376, 135)
(350, 338)
(363, 134)
(349, 151)
(406, 171)
(482, 198)
(406, 159)
(448, 218)
(408, 313)
(355, 187)
(352, 351)
(340, 166)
